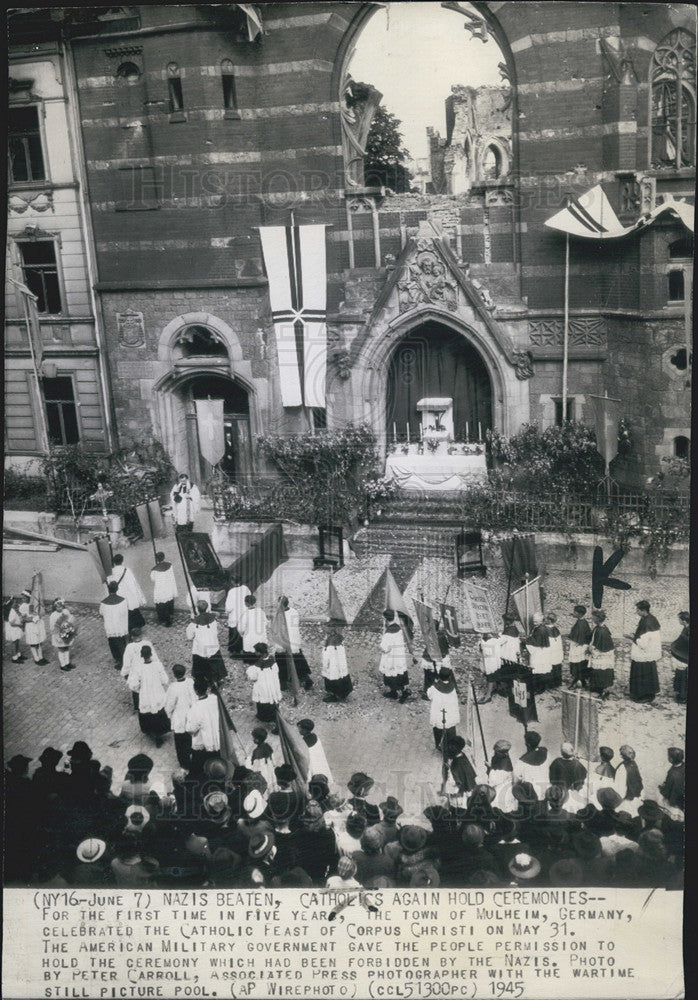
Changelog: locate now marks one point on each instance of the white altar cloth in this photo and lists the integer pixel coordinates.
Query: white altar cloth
(435, 472)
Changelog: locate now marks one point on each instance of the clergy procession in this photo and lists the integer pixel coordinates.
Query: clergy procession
(519, 791)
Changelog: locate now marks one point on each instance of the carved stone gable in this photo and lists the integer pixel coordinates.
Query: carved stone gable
(423, 280)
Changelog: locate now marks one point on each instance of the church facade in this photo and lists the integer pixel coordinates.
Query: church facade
(199, 125)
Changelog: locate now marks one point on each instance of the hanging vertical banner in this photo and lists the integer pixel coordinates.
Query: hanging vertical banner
(528, 602)
(449, 622)
(425, 616)
(150, 519)
(481, 617)
(606, 416)
(100, 550)
(209, 420)
(295, 260)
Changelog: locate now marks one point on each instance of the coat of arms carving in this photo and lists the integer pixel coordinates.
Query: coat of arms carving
(131, 328)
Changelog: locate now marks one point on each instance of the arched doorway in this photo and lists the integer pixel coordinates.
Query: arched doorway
(433, 360)
(237, 460)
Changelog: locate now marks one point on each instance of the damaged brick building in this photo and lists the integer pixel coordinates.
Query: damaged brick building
(193, 126)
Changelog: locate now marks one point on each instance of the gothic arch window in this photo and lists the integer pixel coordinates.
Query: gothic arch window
(492, 163)
(682, 447)
(199, 342)
(673, 101)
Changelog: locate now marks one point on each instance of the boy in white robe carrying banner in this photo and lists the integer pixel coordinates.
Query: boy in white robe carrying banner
(128, 588)
(164, 589)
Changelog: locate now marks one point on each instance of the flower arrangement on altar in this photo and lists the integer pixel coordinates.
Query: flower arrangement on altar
(433, 444)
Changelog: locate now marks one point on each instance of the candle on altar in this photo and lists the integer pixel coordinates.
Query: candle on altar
(408, 431)
(394, 433)
(421, 433)
(466, 432)
(479, 431)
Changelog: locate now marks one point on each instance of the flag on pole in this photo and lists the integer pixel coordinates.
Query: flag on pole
(294, 751)
(152, 507)
(394, 601)
(450, 623)
(581, 729)
(519, 556)
(606, 417)
(295, 261)
(100, 550)
(335, 611)
(427, 624)
(225, 728)
(278, 633)
(209, 420)
(481, 615)
(528, 602)
(591, 216)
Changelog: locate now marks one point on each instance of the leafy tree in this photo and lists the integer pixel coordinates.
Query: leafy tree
(384, 163)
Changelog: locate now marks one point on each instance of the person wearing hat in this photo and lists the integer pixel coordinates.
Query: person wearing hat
(533, 765)
(654, 867)
(348, 833)
(261, 759)
(114, 612)
(506, 842)
(234, 608)
(253, 629)
(524, 869)
(566, 872)
(644, 653)
(602, 656)
(603, 775)
(679, 657)
(261, 852)
(185, 500)
(202, 632)
(14, 629)
(179, 699)
(370, 860)
(91, 867)
(345, 877)
(287, 783)
(625, 829)
(556, 650)
(578, 655)
(266, 690)
(149, 680)
(61, 626)
(47, 780)
(132, 658)
(500, 774)
(444, 712)
(390, 810)
(34, 628)
(414, 854)
(394, 661)
(566, 770)
(164, 589)
(596, 866)
(602, 823)
(360, 785)
(539, 652)
(319, 789)
(335, 673)
(673, 788)
(628, 781)
(317, 759)
(293, 631)
(217, 810)
(203, 723)
(225, 867)
(137, 819)
(127, 587)
(461, 772)
(473, 857)
(313, 845)
(131, 869)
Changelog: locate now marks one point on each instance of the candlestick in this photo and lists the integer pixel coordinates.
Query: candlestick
(421, 433)
(467, 439)
(394, 433)
(479, 431)
(408, 431)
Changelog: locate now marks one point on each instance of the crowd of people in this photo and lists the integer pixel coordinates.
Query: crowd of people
(531, 822)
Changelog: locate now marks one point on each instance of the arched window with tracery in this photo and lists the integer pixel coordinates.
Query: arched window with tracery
(673, 101)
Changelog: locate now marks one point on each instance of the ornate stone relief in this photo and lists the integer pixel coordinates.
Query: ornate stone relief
(424, 280)
(523, 365)
(131, 328)
(583, 332)
(39, 201)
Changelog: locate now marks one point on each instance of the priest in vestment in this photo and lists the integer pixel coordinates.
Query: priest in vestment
(644, 653)
(186, 500)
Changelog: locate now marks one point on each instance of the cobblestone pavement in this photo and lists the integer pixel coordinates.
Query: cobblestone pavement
(391, 742)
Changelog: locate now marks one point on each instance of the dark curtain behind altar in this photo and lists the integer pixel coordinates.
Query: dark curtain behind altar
(434, 361)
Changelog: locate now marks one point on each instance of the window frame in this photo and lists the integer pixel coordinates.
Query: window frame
(174, 77)
(232, 111)
(571, 410)
(20, 240)
(667, 55)
(69, 374)
(681, 437)
(40, 115)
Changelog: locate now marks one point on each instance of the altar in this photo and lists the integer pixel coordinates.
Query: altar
(436, 463)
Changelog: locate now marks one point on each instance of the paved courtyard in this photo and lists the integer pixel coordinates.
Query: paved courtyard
(391, 742)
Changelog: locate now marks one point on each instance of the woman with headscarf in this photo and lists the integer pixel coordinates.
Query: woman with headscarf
(150, 682)
(602, 655)
(628, 782)
(335, 673)
(61, 625)
(679, 656)
(394, 661)
(266, 691)
(644, 653)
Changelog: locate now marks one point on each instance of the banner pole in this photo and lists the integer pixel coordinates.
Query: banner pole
(576, 720)
(566, 330)
(479, 722)
(150, 525)
(511, 573)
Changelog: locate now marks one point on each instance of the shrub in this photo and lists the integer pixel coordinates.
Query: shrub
(24, 492)
(558, 458)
